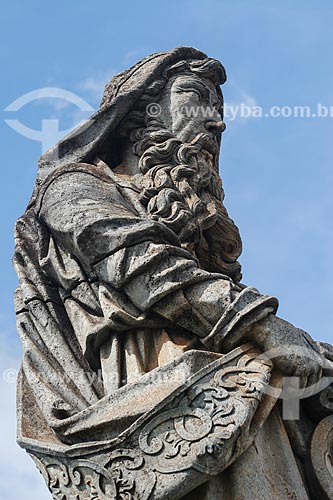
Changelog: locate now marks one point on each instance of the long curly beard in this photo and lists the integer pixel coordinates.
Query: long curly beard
(181, 188)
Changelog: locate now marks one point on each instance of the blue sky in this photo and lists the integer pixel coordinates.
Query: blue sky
(277, 172)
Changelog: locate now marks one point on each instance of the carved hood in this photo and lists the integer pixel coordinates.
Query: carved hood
(120, 94)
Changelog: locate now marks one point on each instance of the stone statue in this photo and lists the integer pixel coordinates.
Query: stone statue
(143, 375)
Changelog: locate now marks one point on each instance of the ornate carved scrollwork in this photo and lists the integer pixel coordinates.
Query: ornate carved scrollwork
(207, 417)
(321, 454)
(87, 480)
(199, 430)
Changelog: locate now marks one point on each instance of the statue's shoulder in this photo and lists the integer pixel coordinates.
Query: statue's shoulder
(79, 168)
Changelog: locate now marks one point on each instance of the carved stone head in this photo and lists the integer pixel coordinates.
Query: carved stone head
(169, 144)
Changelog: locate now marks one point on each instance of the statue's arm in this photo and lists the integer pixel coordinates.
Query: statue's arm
(143, 259)
(92, 220)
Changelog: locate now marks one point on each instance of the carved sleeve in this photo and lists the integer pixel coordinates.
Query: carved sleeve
(91, 219)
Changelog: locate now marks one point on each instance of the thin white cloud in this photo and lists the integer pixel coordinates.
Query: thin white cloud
(238, 102)
(133, 56)
(93, 86)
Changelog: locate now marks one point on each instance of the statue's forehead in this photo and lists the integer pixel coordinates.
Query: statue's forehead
(189, 79)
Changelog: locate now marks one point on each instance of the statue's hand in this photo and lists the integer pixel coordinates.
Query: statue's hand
(290, 349)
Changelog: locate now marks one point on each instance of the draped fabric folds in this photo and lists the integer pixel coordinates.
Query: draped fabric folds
(106, 294)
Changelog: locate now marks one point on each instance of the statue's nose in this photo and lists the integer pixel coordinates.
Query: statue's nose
(215, 126)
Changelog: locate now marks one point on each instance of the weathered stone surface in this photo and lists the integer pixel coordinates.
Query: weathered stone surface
(143, 375)
(178, 443)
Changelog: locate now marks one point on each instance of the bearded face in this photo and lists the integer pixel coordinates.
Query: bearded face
(180, 186)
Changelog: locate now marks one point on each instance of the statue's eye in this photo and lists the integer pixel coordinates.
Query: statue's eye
(190, 91)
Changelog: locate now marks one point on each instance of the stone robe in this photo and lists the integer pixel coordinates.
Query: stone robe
(119, 293)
